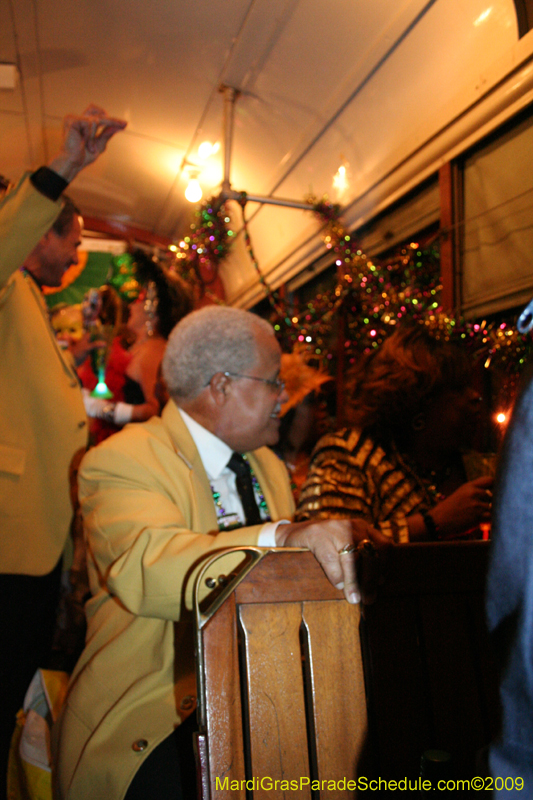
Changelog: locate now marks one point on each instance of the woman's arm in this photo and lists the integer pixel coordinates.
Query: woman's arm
(459, 513)
(144, 368)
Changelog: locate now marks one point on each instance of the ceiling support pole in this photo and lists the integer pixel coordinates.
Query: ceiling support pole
(242, 197)
(227, 193)
(230, 96)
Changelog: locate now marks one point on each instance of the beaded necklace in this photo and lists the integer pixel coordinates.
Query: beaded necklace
(227, 521)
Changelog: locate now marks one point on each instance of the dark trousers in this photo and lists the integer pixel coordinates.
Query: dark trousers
(27, 616)
(169, 772)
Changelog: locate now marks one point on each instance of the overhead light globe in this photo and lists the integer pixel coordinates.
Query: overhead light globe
(193, 192)
(207, 149)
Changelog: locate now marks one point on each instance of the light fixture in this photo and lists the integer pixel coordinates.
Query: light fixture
(193, 192)
(207, 149)
(340, 179)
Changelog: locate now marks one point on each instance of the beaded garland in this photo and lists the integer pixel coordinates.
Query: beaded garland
(226, 521)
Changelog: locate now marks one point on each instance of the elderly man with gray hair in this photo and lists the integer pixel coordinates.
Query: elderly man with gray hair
(157, 498)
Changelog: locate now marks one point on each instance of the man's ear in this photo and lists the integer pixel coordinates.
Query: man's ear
(219, 387)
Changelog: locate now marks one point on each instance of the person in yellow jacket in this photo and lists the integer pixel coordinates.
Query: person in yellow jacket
(158, 498)
(42, 416)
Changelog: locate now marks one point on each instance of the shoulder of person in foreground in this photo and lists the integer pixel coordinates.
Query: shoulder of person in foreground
(512, 520)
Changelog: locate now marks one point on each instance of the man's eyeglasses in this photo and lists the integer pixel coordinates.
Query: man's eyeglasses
(275, 383)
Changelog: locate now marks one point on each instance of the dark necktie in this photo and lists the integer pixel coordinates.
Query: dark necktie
(241, 468)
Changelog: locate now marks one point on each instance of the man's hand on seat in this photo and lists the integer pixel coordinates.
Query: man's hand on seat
(336, 545)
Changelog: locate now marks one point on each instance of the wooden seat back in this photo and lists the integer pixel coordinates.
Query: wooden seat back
(282, 689)
(294, 685)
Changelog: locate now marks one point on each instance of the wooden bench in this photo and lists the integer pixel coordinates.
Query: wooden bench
(295, 686)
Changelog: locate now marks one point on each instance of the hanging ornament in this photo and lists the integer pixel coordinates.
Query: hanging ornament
(122, 277)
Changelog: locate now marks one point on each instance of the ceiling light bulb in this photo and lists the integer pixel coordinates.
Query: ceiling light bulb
(340, 179)
(207, 149)
(193, 192)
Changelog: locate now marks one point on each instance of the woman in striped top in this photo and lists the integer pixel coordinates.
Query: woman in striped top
(399, 466)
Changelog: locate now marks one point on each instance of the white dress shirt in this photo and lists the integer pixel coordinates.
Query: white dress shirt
(215, 454)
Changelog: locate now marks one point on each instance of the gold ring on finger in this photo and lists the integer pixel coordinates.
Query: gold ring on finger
(348, 549)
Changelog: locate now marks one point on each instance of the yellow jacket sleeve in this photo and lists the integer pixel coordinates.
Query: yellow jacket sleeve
(25, 216)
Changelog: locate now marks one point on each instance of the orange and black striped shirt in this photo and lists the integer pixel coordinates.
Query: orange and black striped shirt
(350, 477)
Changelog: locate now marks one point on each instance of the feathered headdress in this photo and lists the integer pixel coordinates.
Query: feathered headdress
(300, 378)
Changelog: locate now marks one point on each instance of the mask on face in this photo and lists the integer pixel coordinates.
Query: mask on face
(68, 324)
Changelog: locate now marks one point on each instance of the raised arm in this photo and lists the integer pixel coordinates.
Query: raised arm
(84, 139)
(30, 209)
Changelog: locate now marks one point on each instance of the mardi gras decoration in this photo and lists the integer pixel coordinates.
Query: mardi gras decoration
(207, 243)
(377, 294)
(67, 322)
(299, 377)
(102, 315)
(123, 277)
(370, 295)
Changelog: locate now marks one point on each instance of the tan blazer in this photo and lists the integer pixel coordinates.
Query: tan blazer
(145, 498)
(42, 417)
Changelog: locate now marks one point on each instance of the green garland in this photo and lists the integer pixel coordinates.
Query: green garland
(201, 252)
(373, 296)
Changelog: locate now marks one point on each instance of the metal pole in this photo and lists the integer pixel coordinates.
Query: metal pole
(230, 96)
(274, 201)
(227, 193)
